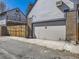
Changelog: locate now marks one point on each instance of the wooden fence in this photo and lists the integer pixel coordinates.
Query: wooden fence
(16, 30)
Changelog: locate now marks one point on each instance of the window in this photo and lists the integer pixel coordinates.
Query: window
(1, 17)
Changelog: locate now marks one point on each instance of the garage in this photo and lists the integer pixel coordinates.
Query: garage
(50, 30)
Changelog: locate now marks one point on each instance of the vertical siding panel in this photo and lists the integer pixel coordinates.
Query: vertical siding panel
(71, 26)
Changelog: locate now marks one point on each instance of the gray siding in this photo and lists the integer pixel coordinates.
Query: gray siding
(14, 16)
(47, 10)
(50, 23)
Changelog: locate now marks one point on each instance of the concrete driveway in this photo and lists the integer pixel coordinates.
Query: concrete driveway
(13, 49)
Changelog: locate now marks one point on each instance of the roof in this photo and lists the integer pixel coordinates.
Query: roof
(12, 10)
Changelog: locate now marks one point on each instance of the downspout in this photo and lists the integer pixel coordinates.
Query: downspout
(76, 9)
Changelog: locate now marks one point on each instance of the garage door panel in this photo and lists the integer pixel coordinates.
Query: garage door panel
(51, 32)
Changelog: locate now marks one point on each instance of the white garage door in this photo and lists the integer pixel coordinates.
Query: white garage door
(51, 32)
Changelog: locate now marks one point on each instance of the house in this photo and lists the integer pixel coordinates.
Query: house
(55, 20)
(13, 23)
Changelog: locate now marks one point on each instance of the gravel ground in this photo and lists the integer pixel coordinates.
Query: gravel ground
(12, 49)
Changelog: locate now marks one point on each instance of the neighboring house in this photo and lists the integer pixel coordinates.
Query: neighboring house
(14, 15)
(13, 23)
(49, 18)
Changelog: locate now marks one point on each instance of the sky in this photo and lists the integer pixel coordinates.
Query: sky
(21, 4)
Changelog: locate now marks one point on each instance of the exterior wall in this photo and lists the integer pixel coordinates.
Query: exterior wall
(15, 16)
(12, 15)
(47, 10)
(2, 20)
